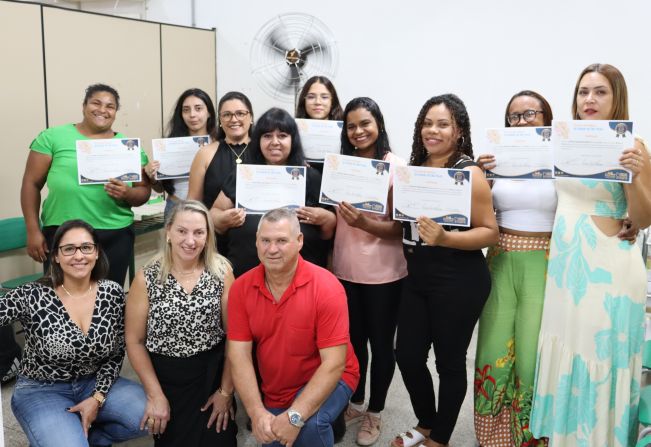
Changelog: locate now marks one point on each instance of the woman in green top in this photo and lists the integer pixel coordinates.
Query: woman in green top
(53, 160)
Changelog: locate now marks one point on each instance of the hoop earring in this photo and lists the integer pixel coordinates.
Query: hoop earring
(463, 141)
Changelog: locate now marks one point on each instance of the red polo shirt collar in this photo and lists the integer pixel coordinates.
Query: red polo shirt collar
(301, 277)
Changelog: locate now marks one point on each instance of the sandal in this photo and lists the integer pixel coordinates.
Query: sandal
(410, 438)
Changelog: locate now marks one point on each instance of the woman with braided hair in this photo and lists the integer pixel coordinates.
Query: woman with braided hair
(448, 281)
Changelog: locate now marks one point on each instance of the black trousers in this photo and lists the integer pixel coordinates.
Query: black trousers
(441, 313)
(9, 349)
(117, 245)
(187, 382)
(373, 311)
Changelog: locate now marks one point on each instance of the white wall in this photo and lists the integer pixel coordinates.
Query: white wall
(401, 53)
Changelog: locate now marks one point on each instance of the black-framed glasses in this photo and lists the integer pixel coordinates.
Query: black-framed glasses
(528, 116)
(71, 249)
(239, 114)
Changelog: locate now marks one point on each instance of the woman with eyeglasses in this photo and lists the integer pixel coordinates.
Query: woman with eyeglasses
(510, 321)
(215, 162)
(68, 390)
(318, 100)
(275, 141)
(194, 115)
(587, 381)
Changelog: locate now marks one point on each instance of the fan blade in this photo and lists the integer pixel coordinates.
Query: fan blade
(275, 41)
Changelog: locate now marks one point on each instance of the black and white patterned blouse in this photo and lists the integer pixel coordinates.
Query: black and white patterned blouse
(55, 347)
(181, 324)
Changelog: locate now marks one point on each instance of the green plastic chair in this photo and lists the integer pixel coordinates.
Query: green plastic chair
(14, 236)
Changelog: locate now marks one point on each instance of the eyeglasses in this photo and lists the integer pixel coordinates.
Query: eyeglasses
(527, 115)
(311, 97)
(71, 249)
(239, 114)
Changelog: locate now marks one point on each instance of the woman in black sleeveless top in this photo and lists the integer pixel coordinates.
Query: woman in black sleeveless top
(448, 281)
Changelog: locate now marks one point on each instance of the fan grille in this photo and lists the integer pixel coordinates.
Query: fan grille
(288, 50)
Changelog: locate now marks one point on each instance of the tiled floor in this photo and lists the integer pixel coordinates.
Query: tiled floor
(397, 416)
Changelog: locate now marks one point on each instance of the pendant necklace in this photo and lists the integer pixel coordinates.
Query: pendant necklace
(238, 158)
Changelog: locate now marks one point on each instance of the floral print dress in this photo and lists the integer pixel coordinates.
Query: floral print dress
(589, 350)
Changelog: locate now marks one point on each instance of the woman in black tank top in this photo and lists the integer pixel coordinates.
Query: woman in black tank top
(448, 279)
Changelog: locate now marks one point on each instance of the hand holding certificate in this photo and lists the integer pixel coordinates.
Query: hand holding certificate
(362, 182)
(520, 152)
(591, 149)
(319, 137)
(101, 160)
(261, 188)
(444, 195)
(176, 154)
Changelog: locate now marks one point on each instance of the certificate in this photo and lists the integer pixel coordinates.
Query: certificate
(590, 149)
(176, 154)
(100, 160)
(319, 137)
(521, 152)
(443, 195)
(362, 182)
(261, 188)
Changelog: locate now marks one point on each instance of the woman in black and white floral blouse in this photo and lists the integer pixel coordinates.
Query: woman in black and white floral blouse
(175, 330)
(74, 348)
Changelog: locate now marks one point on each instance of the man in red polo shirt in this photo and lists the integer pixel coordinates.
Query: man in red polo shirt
(297, 315)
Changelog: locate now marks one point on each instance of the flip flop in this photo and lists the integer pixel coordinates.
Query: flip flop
(410, 438)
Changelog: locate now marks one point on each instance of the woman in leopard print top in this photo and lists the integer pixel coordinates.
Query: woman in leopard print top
(175, 335)
(74, 348)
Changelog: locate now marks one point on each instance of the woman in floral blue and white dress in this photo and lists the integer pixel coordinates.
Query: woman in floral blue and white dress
(589, 349)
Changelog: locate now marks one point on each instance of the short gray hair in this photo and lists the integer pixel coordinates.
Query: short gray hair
(279, 214)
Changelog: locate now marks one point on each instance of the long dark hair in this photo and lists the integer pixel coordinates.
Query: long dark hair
(460, 117)
(276, 119)
(54, 275)
(548, 116)
(382, 143)
(176, 126)
(335, 107)
(228, 97)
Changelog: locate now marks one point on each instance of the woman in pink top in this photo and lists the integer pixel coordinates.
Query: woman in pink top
(369, 262)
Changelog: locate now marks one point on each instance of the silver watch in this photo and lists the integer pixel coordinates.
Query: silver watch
(295, 418)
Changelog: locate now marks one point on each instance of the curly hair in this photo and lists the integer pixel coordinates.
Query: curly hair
(382, 143)
(461, 120)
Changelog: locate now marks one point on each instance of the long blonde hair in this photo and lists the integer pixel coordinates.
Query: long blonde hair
(216, 264)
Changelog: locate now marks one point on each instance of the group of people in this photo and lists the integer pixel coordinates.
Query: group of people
(282, 308)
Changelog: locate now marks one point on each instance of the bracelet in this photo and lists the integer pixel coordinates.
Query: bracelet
(224, 393)
(99, 397)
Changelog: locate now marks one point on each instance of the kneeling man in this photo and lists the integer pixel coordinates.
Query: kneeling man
(296, 314)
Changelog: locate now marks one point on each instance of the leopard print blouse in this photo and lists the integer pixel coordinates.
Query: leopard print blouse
(181, 324)
(55, 347)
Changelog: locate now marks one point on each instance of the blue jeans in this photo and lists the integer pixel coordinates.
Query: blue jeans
(317, 431)
(40, 408)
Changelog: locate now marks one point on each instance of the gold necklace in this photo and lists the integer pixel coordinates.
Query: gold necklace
(194, 270)
(80, 296)
(238, 158)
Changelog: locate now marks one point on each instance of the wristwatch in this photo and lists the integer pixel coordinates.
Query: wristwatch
(99, 397)
(295, 418)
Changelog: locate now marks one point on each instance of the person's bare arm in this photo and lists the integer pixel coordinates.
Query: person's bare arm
(224, 215)
(484, 231)
(638, 192)
(246, 384)
(198, 170)
(36, 170)
(137, 310)
(134, 195)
